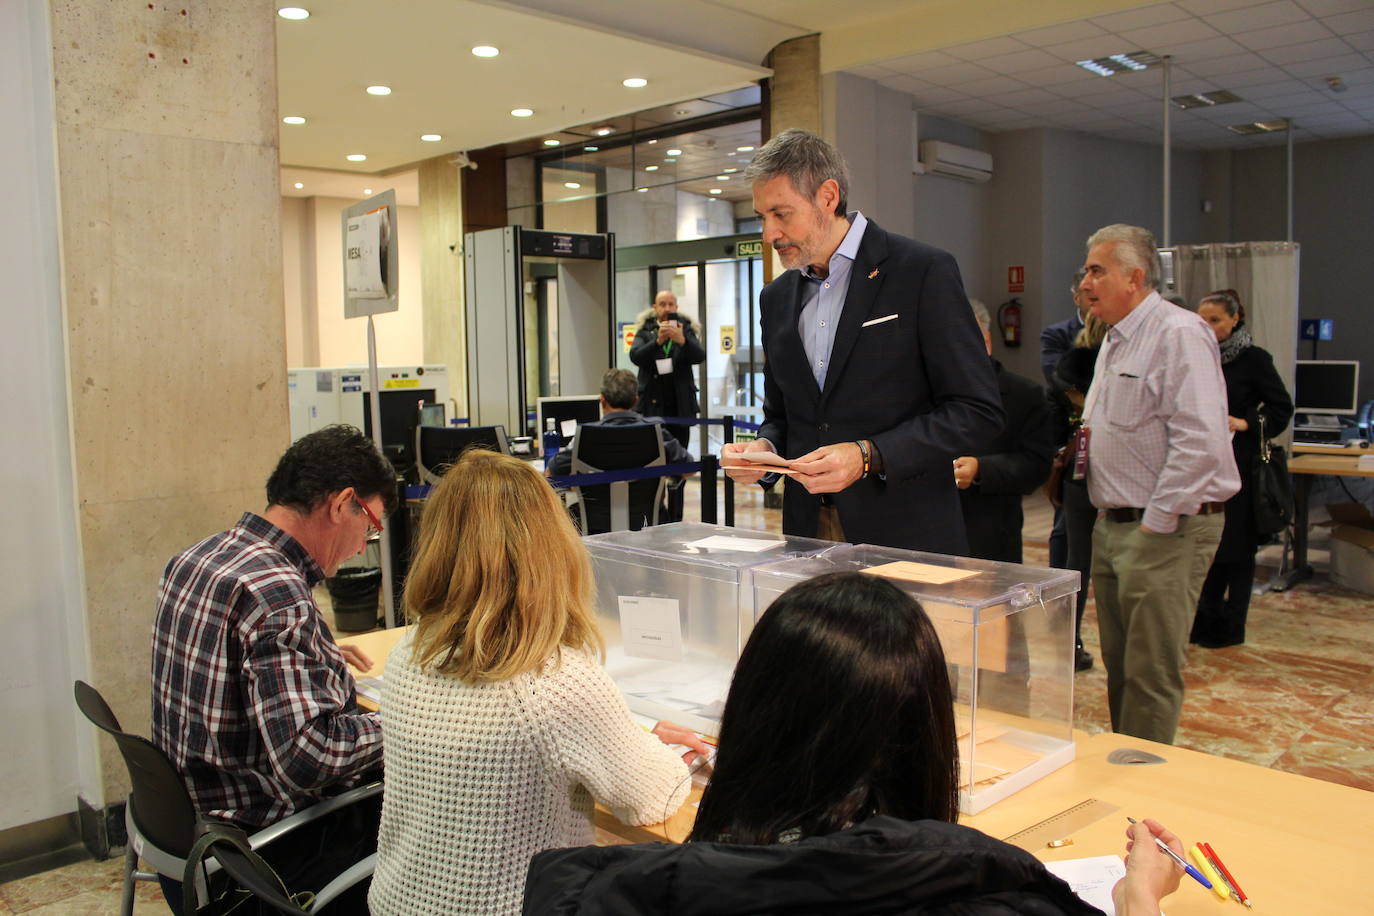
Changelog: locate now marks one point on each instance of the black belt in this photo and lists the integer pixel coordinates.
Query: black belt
(1130, 514)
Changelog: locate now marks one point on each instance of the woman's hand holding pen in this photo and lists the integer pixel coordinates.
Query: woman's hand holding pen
(1150, 874)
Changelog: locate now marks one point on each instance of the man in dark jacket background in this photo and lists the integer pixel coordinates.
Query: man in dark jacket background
(667, 351)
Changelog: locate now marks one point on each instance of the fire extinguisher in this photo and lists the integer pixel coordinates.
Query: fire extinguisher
(1009, 320)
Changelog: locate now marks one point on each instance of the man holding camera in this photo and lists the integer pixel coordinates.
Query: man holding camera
(666, 350)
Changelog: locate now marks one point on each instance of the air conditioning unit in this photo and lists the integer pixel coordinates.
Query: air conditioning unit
(941, 158)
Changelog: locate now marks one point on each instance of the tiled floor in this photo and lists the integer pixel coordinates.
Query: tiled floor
(1298, 696)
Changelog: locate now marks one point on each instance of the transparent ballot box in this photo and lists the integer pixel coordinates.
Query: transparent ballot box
(675, 606)
(1007, 635)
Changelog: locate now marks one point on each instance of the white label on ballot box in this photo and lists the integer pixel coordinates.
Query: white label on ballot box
(651, 628)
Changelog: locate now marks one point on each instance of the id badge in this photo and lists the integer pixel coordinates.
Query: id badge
(665, 365)
(1080, 452)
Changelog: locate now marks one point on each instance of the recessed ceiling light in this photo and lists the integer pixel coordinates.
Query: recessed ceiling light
(294, 13)
(731, 171)
(299, 185)
(552, 142)
(641, 190)
(521, 112)
(431, 138)
(1259, 127)
(367, 191)
(744, 149)
(379, 90)
(652, 142)
(572, 184)
(722, 178)
(651, 168)
(674, 152)
(293, 119)
(356, 157)
(604, 131)
(670, 160)
(590, 149)
(485, 51)
(635, 82)
(715, 190)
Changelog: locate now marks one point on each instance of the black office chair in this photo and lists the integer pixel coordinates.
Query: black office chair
(624, 505)
(437, 447)
(163, 824)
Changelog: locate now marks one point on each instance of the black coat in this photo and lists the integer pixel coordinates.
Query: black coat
(908, 370)
(1251, 380)
(884, 865)
(654, 388)
(1013, 465)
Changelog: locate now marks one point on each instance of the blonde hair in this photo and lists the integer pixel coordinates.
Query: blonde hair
(1093, 332)
(500, 581)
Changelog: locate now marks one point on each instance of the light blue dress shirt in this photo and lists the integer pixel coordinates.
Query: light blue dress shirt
(822, 299)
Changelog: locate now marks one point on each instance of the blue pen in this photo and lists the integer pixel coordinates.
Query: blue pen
(1196, 875)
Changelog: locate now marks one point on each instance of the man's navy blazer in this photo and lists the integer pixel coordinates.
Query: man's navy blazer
(908, 370)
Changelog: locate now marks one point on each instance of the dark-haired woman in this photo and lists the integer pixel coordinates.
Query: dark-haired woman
(1253, 391)
(835, 789)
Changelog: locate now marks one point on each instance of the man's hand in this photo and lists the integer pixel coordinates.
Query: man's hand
(742, 450)
(670, 734)
(965, 471)
(1150, 874)
(356, 657)
(830, 468)
(671, 330)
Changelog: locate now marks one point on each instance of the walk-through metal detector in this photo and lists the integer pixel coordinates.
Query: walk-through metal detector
(539, 309)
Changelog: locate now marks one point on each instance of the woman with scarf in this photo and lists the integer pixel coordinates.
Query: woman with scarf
(1254, 391)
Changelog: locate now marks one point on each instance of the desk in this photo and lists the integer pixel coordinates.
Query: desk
(1338, 462)
(1297, 845)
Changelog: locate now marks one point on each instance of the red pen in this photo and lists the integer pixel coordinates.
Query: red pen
(1226, 873)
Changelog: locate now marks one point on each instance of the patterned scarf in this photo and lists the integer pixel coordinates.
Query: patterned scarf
(1236, 344)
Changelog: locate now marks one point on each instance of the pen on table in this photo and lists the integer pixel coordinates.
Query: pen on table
(1226, 873)
(1164, 847)
(1195, 853)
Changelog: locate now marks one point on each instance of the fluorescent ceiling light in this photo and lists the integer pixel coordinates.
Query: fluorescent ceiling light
(551, 142)
(356, 157)
(1260, 127)
(1205, 99)
(294, 13)
(573, 185)
(293, 119)
(634, 82)
(1117, 63)
(485, 51)
(522, 112)
(431, 138)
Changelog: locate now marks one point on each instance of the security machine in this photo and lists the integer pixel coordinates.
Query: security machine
(338, 394)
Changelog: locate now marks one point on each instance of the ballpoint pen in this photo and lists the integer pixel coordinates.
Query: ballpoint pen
(1226, 873)
(1164, 847)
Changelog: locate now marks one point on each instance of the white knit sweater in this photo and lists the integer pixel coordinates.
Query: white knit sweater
(481, 777)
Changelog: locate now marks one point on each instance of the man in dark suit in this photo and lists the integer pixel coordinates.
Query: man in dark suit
(992, 481)
(875, 378)
(1057, 339)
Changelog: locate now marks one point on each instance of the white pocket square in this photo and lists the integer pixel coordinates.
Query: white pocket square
(877, 320)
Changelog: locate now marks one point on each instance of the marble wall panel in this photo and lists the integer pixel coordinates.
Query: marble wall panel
(441, 269)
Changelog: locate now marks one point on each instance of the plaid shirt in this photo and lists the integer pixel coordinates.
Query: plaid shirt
(252, 700)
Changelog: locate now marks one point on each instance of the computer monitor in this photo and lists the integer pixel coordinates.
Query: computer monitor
(1326, 386)
(567, 412)
(432, 415)
(400, 410)
(437, 447)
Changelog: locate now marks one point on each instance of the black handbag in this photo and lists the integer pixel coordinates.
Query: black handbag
(1271, 487)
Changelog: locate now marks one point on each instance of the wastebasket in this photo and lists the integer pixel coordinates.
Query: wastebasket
(354, 593)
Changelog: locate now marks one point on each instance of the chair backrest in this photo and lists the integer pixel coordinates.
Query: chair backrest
(627, 505)
(161, 804)
(437, 447)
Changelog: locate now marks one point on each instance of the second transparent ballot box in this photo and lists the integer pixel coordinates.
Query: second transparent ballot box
(675, 606)
(1007, 632)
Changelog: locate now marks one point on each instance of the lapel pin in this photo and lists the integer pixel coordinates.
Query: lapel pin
(874, 274)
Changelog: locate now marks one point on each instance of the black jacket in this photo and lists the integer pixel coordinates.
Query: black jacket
(1013, 465)
(1251, 380)
(882, 866)
(654, 388)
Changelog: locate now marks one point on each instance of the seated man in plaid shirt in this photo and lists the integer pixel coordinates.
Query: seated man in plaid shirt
(252, 699)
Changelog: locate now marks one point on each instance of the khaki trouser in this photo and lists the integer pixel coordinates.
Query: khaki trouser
(1147, 588)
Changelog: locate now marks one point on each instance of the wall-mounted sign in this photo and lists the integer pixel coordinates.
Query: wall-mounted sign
(751, 248)
(727, 339)
(1016, 279)
(1318, 328)
(628, 329)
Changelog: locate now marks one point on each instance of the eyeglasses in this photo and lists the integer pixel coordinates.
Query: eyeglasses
(374, 524)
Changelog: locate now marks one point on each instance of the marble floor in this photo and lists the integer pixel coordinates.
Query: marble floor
(1298, 696)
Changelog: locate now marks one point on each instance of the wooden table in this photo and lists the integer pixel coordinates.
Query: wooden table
(1296, 845)
(1338, 462)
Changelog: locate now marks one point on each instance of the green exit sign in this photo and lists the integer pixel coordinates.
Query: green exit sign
(753, 248)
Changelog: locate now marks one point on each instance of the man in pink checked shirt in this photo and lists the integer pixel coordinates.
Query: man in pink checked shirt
(1159, 465)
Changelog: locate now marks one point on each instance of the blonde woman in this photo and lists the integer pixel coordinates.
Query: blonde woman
(501, 727)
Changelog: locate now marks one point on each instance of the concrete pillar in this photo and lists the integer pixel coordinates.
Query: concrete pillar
(166, 129)
(441, 269)
(795, 87)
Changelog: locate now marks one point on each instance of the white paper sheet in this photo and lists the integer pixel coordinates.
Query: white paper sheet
(1092, 879)
(729, 542)
(363, 265)
(651, 627)
(567, 429)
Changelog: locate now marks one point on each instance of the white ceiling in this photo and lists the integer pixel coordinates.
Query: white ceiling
(566, 58)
